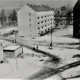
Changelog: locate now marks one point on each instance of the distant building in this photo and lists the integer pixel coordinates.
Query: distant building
(12, 51)
(1, 52)
(34, 20)
(76, 20)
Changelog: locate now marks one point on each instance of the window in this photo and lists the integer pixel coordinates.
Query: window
(29, 19)
(41, 31)
(48, 29)
(41, 21)
(30, 25)
(37, 17)
(42, 26)
(45, 30)
(41, 16)
(38, 28)
(38, 33)
(38, 23)
(29, 14)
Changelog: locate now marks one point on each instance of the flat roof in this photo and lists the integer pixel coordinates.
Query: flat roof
(12, 48)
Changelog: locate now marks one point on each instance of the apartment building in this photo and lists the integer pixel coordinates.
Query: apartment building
(76, 20)
(34, 20)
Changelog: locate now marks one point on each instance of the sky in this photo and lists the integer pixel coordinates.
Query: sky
(20, 3)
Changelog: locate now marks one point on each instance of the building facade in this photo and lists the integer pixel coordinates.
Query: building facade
(34, 20)
(76, 20)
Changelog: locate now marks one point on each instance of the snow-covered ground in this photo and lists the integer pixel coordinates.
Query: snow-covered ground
(64, 53)
(29, 65)
(22, 69)
(59, 36)
(7, 30)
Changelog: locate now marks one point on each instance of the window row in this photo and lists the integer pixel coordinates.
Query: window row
(45, 21)
(45, 26)
(44, 16)
(42, 32)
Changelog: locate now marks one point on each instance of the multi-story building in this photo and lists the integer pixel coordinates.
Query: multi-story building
(34, 20)
(76, 20)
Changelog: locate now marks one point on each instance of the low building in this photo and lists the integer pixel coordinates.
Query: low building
(34, 20)
(1, 52)
(12, 51)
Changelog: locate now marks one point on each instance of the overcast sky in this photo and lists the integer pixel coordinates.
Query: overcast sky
(18, 3)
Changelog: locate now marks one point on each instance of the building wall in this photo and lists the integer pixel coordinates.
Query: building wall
(9, 54)
(1, 52)
(34, 24)
(44, 21)
(26, 21)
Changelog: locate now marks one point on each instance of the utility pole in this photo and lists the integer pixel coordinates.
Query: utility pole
(22, 49)
(50, 47)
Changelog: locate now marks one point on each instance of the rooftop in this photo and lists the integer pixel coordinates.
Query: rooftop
(12, 48)
(39, 8)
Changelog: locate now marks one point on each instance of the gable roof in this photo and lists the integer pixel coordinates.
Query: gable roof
(39, 8)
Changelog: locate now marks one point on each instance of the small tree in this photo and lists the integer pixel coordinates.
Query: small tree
(3, 17)
(57, 18)
(68, 18)
(13, 17)
(63, 8)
